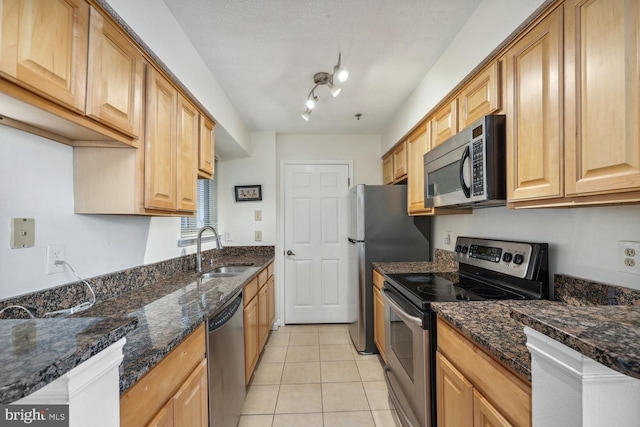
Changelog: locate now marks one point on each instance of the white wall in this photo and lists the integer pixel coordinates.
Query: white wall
(152, 21)
(238, 217)
(583, 241)
(486, 29)
(36, 181)
(363, 150)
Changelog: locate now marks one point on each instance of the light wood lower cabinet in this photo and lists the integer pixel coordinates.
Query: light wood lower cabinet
(174, 392)
(473, 389)
(378, 315)
(259, 315)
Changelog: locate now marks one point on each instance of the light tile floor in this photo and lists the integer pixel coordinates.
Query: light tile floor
(311, 376)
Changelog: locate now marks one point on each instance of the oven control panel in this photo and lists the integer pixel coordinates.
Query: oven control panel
(512, 258)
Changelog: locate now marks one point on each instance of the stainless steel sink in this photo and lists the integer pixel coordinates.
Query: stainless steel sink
(225, 271)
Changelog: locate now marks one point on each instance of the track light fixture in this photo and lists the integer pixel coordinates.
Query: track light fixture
(325, 79)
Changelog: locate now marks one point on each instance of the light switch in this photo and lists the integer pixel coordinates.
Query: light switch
(23, 233)
(258, 236)
(258, 214)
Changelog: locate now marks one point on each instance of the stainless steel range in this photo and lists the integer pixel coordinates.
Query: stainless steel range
(488, 270)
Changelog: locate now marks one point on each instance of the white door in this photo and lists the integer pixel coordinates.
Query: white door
(315, 241)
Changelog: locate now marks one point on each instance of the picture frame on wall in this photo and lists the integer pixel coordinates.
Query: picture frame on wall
(248, 193)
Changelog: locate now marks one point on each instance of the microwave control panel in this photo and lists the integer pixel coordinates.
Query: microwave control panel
(477, 185)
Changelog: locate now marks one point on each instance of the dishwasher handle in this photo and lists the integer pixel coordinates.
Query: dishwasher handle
(224, 314)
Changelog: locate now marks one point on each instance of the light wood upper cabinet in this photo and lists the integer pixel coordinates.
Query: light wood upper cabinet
(479, 97)
(602, 87)
(43, 47)
(116, 76)
(400, 161)
(187, 144)
(534, 112)
(160, 162)
(417, 145)
(387, 169)
(206, 148)
(444, 123)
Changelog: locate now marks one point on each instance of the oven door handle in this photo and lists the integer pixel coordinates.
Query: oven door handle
(400, 312)
(394, 398)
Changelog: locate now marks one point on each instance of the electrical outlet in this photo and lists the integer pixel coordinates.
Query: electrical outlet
(629, 257)
(228, 236)
(55, 253)
(258, 236)
(258, 215)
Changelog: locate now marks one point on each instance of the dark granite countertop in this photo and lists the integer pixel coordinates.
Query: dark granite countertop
(155, 306)
(609, 334)
(35, 352)
(490, 325)
(169, 310)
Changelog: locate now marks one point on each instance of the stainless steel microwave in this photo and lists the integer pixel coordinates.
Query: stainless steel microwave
(468, 169)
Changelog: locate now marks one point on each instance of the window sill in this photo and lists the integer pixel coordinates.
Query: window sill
(192, 240)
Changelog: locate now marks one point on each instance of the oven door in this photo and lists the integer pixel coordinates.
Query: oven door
(447, 179)
(407, 372)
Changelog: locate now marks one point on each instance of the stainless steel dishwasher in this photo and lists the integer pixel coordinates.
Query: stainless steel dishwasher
(225, 353)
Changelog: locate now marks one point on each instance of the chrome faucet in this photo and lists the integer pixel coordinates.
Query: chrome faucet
(199, 245)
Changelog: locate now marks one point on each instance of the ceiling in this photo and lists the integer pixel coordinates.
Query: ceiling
(264, 54)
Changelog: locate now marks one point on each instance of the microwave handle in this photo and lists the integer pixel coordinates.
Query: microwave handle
(466, 190)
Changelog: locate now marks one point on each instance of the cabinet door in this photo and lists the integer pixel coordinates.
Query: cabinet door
(116, 73)
(206, 148)
(378, 323)
(263, 316)
(387, 169)
(160, 142)
(271, 302)
(602, 146)
(534, 112)
(164, 418)
(444, 123)
(454, 395)
(417, 145)
(485, 415)
(250, 337)
(400, 161)
(43, 47)
(190, 403)
(187, 144)
(479, 97)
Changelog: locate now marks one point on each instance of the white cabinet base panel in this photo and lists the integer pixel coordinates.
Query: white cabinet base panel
(570, 389)
(91, 390)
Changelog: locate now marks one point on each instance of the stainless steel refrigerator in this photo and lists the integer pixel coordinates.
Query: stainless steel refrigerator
(380, 230)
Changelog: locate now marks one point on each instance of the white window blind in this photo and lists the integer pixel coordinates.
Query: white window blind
(207, 213)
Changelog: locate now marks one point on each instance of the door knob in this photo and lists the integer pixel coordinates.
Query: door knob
(290, 253)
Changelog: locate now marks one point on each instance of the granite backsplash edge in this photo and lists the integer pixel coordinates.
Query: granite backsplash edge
(117, 283)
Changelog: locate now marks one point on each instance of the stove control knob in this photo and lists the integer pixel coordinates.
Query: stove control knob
(465, 249)
(458, 249)
(507, 257)
(518, 259)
